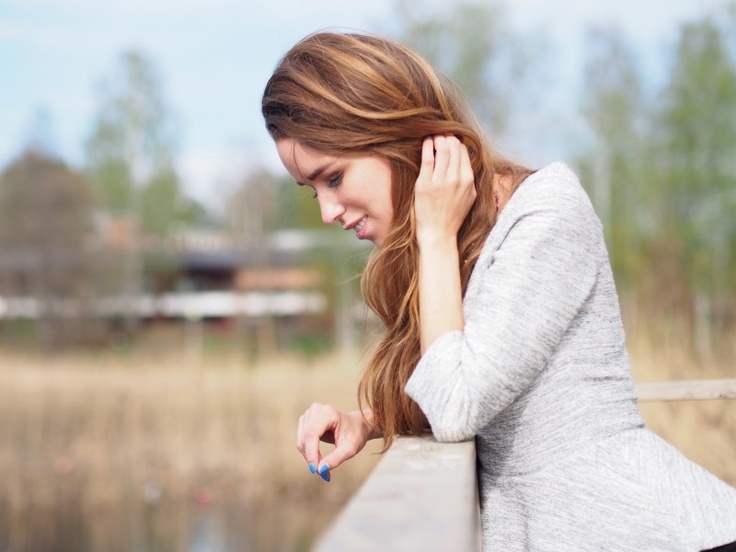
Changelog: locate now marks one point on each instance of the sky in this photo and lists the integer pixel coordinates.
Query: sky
(215, 56)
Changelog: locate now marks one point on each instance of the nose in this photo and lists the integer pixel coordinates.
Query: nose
(330, 209)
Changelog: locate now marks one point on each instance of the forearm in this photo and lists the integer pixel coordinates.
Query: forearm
(444, 194)
(440, 290)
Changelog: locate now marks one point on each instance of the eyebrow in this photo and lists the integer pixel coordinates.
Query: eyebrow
(315, 173)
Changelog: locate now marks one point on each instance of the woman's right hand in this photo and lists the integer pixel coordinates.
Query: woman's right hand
(445, 189)
(348, 431)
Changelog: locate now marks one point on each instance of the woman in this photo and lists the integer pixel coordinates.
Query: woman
(501, 317)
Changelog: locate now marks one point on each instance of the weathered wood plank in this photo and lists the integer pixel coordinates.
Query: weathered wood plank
(422, 496)
(686, 390)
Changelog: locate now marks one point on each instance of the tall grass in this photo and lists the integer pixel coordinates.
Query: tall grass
(135, 435)
(165, 450)
(705, 431)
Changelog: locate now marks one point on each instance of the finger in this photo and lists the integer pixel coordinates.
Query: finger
(321, 423)
(303, 440)
(454, 160)
(300, 435)
(336, 457)
(427, 166)
(465, 163)
(348, 446)
(311, 451)
(441, 159)
(466, 167)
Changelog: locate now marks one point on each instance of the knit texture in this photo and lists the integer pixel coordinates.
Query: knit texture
(540, 377)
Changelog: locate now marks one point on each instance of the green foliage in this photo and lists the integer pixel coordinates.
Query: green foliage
(310, 346)
(296, 206)
(131, 148)
(265, 202)
(113, 185)
(614, 108)
(251, 208)
(163, 206)
(662, 173)
(698, 123)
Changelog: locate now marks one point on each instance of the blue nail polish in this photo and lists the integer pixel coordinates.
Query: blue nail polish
(325, 476)
(312, 468)
(324, 472)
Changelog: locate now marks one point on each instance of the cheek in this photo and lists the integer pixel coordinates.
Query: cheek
(387, 203)
(389, 206)
(389, 194)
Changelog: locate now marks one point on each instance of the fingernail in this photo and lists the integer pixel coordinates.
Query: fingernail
(312, 468)
(324, 472)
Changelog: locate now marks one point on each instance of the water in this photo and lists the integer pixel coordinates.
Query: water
(178, 526)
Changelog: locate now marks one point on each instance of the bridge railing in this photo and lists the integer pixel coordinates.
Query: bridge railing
(423, 495)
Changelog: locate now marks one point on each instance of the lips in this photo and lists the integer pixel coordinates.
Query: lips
(359, 228)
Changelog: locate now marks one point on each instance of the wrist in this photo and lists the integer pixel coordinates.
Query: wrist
(432, 239)
(365, 418)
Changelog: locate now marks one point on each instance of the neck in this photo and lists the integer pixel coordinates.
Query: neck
(501, 190)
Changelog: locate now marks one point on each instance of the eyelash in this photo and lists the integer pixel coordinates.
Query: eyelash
(333, 182)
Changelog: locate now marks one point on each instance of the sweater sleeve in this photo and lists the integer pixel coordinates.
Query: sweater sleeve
(521, 300)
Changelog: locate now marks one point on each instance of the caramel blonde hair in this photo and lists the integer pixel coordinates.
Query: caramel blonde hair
(342, 93)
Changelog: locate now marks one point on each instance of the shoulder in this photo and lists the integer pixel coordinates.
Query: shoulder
(550, 196)
(549, 206)
(554, 187)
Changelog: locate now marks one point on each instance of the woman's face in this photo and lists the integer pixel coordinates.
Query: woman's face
(354, 190)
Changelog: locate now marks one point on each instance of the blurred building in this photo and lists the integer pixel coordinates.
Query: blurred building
(280, 288)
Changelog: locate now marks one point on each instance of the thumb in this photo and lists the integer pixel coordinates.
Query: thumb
(341, 453)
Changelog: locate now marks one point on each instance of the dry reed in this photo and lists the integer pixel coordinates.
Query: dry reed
(115, 438)
(146, 430)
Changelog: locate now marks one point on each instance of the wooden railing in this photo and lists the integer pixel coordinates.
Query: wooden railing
(687, 390)
(423, 495)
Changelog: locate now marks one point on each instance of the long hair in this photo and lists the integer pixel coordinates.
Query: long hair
(341, 93)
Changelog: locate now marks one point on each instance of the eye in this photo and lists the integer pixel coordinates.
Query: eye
(335, 181)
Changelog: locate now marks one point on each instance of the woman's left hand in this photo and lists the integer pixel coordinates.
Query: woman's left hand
(445, 188)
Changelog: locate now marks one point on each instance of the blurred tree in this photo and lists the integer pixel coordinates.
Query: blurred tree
(132, 137)
(45, 224)
(471, 44)
(250, 214)
(614, 107)
(41, 137)
(130, 151)
(252, 209)
(130, 160)
(296, 206)
(264, 205)
(337, 253)
(697, 121)
(132, 145)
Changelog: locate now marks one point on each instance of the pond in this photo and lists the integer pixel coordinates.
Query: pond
(197, 525)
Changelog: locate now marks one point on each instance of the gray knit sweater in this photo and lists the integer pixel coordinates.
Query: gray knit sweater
(540, 377)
